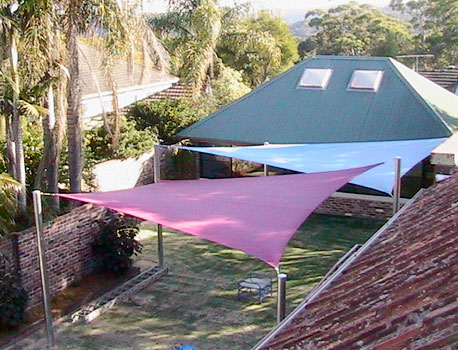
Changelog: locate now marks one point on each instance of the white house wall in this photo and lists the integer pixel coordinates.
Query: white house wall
(94, 105)
(446, 154)
(120, 174)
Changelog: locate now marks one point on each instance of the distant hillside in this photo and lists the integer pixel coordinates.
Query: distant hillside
(303, 31)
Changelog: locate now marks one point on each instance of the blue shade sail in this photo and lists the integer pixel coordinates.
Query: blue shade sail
(311, 158)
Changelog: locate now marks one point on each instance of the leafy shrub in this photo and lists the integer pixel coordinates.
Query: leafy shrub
(33, 150)
(228, 86)
(13, 298)
(165, 118)
(132, 143)
(115, 244)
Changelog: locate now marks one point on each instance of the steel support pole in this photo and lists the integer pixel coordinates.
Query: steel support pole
(160, 246)
(157, 178)
(266, 169)
(281, 297)
(397, 184)
(44, 273)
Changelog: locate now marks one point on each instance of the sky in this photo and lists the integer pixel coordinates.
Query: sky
(308, 4)
(294, 10)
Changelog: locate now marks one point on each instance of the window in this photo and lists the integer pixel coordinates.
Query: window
(365, 80)
(315, 78)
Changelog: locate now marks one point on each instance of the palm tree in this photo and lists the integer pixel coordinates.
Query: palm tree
(8, 202)
(193, 29)
(22, 34)
(128, 37)
(9, 38)
(45, 33)
(80, 17)
(119, 31)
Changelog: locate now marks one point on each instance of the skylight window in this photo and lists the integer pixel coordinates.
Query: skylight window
(315, 78)
(366, 80)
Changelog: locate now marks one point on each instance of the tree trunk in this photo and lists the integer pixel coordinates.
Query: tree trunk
(53, 132)
(116, 113)
(10, 148)
(75, 152)
(2, 128)
(16, 127)
(53, 127)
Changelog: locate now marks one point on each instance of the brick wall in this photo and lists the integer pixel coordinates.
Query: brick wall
(360, 206)
(69, 238)
(69, 254)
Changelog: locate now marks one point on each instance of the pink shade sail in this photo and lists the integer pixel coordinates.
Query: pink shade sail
(255, 215)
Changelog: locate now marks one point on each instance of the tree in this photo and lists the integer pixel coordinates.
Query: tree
(8, 202)
(229, 85)
(81, 17)
(261, 47)
(279, 29)
(38, 42)
(130, 35)
(199, 35)
(192, 30)
(353, 29)
(119, 32)
(52, 87)
(436, 23)
(164, 118)
(9, 38)
(23, 59)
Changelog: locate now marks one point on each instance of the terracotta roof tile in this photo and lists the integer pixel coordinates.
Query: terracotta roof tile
(447, 78)
(178, 91)
(400, 293)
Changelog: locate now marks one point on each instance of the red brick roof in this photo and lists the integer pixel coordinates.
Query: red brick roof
(178, 91)
(400, 293)
(447, 78)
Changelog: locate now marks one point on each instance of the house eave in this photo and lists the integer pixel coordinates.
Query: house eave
(130, 89)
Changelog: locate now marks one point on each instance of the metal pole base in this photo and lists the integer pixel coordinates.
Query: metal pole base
(281, 297)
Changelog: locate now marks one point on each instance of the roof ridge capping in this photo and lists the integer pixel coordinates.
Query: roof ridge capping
(351, 58)
(400, 223)
(441, 102)
(316, 293)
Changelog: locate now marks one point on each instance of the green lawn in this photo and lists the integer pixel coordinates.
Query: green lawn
(197, 302)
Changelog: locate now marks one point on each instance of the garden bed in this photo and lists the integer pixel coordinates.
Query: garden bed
(68, 300)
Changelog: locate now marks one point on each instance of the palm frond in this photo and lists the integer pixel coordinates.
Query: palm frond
(8, 202)
(156, 49)
(8, 82)
(171, 23)
(31, 110)
(8, 183)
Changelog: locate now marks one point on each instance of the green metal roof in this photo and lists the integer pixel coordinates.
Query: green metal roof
(406, 106)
